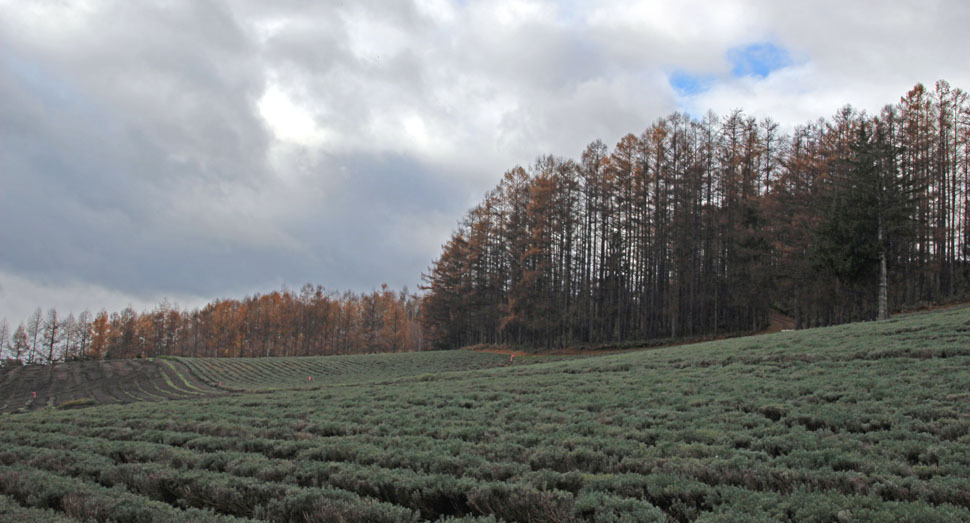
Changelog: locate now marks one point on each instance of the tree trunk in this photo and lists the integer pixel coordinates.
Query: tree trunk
(883, 278)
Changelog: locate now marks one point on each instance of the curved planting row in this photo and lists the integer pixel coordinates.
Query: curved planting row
(85, 383)
(744, 430)
(297, 372)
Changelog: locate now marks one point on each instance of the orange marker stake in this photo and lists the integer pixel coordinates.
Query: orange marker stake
(511, 357)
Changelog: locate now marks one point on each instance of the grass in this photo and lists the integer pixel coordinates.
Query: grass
(865, 422)
(97, 382)
(181, 377)
(264, 374)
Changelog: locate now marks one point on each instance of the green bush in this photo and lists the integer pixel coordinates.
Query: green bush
(814, 426)
(599, 507)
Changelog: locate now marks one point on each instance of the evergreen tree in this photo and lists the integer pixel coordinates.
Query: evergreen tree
(868, 212)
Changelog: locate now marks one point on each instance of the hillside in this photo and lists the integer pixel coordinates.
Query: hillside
(260, 374)
(87, 383)
(76, 384)
(854, 423)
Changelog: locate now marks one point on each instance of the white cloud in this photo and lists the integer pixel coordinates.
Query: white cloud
(372, 39)
(289, 121)
(20, 296)
(196, 149)
(866, 54)
(441, 12)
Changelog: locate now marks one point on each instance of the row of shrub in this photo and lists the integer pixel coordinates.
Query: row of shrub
(683, 434)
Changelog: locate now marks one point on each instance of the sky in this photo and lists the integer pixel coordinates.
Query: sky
(198, 149)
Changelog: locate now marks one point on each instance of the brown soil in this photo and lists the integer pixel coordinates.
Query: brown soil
(97, 382)
(778, 322)
(499, 350)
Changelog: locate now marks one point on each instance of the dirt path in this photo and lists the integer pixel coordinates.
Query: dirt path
(778, 322)
(516, 353)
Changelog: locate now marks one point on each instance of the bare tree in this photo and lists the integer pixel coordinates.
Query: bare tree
(4, 336)
(83, 333)
(52, 333)
(69, 337)
(34, 324)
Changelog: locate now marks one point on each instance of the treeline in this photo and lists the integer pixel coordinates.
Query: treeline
(704, 226)
(282, 323)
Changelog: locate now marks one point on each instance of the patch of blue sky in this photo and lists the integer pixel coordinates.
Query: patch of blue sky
(758, 59)
(687, 84)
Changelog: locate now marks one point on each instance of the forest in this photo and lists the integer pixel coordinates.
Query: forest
(695, 227)
(706, 226)
(311, 322)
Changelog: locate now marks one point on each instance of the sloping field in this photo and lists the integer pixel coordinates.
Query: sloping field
(95, 382)
(251, 374)
(87, 383)
(866, 422)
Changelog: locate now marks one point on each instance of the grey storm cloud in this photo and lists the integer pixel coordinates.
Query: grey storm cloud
(203, 149)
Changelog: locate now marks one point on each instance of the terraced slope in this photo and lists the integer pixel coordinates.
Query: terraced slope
(97, 382)
(87, 383)
(250, 374)
(865, 422)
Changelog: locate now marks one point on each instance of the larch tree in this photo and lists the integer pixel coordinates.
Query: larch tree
(35, 324)
(100, 336)
(69, 343)
(705, 226)
(83, 333)
(52, 334)
(693, 227)
(4, 336)
(20, 343)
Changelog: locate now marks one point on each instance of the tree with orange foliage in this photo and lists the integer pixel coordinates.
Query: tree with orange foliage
(100, 336)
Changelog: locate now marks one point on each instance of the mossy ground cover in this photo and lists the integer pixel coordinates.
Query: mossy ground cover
(854, 423)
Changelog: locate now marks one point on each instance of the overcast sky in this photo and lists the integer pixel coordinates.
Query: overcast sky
(193, 150)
